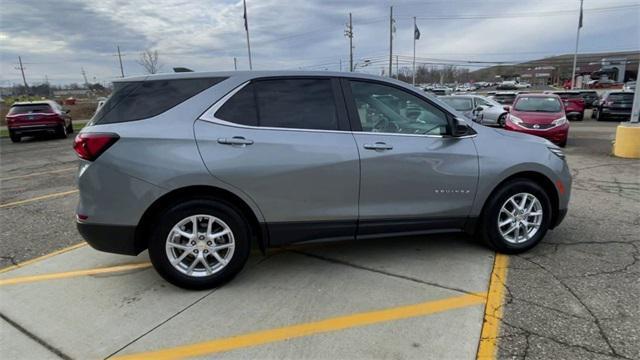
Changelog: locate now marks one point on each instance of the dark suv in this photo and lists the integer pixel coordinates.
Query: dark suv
(614, 105)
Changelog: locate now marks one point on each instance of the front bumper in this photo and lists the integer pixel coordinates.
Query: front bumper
(119, 239)
(556, 135)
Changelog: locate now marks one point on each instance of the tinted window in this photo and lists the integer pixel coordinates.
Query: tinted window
(241, 108)
(30, 109)
(144, 99)
(296, 103)
(538, 104)
(460, 104)
(383, 108)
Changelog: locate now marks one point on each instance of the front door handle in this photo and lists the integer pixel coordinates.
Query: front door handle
(378, 146)
(236, 140)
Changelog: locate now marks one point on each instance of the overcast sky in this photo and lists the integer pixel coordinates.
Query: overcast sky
(58, 38)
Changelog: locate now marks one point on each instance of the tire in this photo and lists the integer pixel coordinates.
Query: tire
(580, 117)
(502, 120)
(490, 230)
(200, 278)
(563, 144)
(70, 127)
(14, 137)
(599, 116)
(61, 132)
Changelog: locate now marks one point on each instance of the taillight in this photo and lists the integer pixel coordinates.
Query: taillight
(89, 146)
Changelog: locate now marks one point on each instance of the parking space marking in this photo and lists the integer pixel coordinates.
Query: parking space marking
(38, 198)
(72, 274)
(38, 173)
(488, 346)
(312, 328)
(40, 258)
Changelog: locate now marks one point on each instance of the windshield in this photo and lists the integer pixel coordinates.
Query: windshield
(460, 104)
(30, 109)
(538, 104)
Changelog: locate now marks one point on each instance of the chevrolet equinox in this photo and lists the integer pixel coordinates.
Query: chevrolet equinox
(195, 167)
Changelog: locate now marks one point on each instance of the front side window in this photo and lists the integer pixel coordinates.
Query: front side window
(483, 102)
(283, 103)
(383, 108)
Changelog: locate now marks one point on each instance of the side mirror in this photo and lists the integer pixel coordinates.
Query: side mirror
(66, 111)
(478, 109)
(507, 108)
(460, 128)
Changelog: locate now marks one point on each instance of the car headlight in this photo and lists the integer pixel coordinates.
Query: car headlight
(557, 152)
(561, 121)
(515, 119)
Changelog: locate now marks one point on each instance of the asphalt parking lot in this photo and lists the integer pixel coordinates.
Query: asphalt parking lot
(573, 296)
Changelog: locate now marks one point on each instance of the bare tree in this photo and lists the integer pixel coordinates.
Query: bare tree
(149, 61)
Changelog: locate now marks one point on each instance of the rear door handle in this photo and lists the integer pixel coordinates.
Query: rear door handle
(236, 140)
(378, 146)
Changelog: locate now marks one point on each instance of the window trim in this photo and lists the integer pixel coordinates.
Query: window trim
(341, 112)
(354, 118)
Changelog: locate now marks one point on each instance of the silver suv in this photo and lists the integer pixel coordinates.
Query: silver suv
(197, 167)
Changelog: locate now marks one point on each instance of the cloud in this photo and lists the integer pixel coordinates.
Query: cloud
(57, 38)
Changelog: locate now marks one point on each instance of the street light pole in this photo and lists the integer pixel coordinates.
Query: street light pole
(575, 54)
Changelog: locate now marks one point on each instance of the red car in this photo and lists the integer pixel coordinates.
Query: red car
(573, 104)
(38, 117)
(539, 114)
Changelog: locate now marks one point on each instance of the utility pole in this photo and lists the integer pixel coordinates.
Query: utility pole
(349, 33)
(397, 68)
(235, 63)
(575, 54)
(246, 27)
(84, 75)
(120, 58)
(416, 36)
(24, 79)
(390, 40)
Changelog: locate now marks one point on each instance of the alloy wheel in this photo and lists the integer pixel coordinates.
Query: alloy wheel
(200, 245)
(520, 218)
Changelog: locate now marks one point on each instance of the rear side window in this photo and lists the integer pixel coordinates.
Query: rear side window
(286, 103)
(30, 109)
(138, 100)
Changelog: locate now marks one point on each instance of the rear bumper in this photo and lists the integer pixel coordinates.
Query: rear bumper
(119, 239)
(30, 129)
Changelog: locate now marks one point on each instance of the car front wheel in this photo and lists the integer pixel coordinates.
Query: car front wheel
(516, 217)
(200, 244)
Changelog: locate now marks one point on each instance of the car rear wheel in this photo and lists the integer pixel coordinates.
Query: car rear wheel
(516, 217)
(200, 244)
(14, 137)
(70, 127)
(62, 131)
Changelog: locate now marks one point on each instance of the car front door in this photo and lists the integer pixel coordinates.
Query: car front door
(286, 144)
(415, 177)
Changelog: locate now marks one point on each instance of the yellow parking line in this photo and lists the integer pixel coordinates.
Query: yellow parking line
(28, 262)
(493, 310)
(38, 173)
(311, 328)
(71, 274)
(37, 198)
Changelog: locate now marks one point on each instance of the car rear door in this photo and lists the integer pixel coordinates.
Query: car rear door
(286, 143)
(414, 177)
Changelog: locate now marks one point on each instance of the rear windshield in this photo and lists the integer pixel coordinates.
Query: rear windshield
(621, 97)
(460, 104)
(538, 104)
(136, 100)
(569, 95)
(30, 109)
